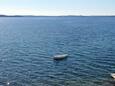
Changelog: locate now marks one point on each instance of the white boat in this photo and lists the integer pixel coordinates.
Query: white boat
(113, 75)
(60, 57)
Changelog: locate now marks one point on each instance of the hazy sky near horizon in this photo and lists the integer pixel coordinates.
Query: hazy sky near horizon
(57, 7)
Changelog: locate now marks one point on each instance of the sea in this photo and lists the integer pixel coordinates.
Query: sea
(28, 45)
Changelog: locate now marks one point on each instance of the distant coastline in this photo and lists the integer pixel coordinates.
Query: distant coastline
(57, 16)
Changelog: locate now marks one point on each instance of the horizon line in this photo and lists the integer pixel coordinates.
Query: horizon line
(29, 15)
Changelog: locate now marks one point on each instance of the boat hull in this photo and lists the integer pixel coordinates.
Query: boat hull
(113, 75)
(60, 57)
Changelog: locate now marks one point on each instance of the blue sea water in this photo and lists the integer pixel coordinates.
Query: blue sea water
(27, 45)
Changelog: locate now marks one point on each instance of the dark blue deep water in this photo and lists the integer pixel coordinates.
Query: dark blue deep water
(27, 45)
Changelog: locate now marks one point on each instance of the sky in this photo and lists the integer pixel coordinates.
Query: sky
(57, 7)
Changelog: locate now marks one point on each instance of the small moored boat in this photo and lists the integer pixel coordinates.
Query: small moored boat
(60, 57)
(113, 75)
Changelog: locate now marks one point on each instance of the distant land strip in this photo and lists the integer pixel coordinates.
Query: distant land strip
(57, 16)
